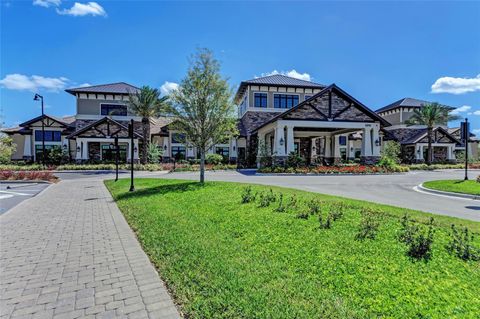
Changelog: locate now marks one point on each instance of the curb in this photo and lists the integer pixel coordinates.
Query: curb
(27, 181)
(451, 194)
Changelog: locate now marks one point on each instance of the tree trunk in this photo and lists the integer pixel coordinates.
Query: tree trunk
(202, 166)
(146, 139)
(430, 148)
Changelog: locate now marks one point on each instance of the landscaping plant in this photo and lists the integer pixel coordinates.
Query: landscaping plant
(461, 245)
(419, 239)
(369, 224)
(248, 195)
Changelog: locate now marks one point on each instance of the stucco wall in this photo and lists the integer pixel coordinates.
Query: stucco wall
(92, 107)
(19, 141)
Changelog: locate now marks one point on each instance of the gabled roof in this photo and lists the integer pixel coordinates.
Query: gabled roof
(112, 88)
(332, 87)
(406, 102)
(93, 124)
(414, 135)
(65, 121)
(277, 80)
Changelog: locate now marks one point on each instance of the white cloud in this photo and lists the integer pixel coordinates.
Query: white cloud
(47, 3)
(461, 109)
(83, 9)
(476, 131)
(475, 113)
(33, 83)
(168, 87)
(84, 85)
(456, 85)
(292, 73)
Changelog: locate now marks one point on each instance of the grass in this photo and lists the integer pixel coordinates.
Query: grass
(455, 186)
(224, 259)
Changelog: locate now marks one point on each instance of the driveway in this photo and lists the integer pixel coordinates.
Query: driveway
(396, 190)
(12, 194)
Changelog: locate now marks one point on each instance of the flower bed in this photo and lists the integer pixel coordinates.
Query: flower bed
(27, 175)
(346, 169)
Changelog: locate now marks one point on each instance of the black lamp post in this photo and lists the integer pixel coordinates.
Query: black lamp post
(132, 153)
(36, 98)
(466, 133)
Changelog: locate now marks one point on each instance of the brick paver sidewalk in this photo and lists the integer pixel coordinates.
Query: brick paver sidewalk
(69, 253)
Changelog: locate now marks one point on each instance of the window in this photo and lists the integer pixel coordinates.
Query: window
(48, 149)
(308, 96)
(224, 151)
(179, 152)
(108, 154)
(260, 99)
(284, 101)
(342, 140)
(50, 136)
(114, 109)
(178, 138)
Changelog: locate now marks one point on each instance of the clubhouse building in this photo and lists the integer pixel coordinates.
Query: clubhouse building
(277, 115)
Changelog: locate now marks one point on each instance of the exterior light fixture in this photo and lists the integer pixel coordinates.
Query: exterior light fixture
(111, 146)
(165, 147)
(78, 148)
(377, 143)
(351, 149)
(64, 147)
(281, 141)
(234, 148)
(135, 149)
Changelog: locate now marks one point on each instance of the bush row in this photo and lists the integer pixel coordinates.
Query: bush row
(340, 169)
(27, 175)
(417, 238)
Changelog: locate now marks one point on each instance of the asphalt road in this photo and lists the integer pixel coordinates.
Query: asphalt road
(12, 194)
(396, 189)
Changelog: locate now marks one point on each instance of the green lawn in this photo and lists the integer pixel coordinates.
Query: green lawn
(224, 259)
(455, 186)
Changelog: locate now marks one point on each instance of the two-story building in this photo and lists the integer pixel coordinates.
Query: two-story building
(277, 114)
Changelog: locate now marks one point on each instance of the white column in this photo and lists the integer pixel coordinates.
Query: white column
(280, 141)
(261, 143)
(129, 150)
(376, 137)
(366, 142)
(336, 146)
(84, 150)
(135, 148)
(166, 147)
(450, 153)
(313, 149)
(78, 149)
(351, 149)
(233, 147)
(419, 152)
(328, 146)
(27, 146)
(290, 140)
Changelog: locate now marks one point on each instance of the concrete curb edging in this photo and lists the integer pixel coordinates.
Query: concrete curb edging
(451, 194)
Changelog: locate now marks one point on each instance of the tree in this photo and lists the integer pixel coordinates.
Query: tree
(430, 115)
(146, 103)
(203, 106)
(7, 148)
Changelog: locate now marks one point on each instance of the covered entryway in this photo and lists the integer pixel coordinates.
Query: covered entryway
(321, 130)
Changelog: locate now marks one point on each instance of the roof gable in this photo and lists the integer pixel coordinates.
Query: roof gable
(48, 121)
(330, 104)
(111, 88)
(106, 127)
(406, 102)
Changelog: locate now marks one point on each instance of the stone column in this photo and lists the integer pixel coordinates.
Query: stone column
(367, 156)
(290, 140)
(27, 147)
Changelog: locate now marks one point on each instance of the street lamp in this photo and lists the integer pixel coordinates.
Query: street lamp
(38, 97)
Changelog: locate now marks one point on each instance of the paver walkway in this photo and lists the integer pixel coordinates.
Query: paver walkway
(69, 253)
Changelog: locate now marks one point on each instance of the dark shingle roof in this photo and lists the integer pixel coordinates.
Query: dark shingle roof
(277, 80)
(112, 88)
(406, 102)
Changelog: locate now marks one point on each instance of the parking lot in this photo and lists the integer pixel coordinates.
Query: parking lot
(12, 194)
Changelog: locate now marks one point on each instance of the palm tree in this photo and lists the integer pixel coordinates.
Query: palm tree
(430, 115)
(146, 103)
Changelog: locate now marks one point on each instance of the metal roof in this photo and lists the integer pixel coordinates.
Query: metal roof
(406, 102)
(112, 88)
(277, 80)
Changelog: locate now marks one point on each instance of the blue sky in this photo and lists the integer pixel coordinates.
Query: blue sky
(377, 51)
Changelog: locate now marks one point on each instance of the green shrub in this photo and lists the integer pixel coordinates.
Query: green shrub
(324, 223)
(7, 148)
(419, 239)
(295, 160)
(336, 211)
(214, 159)
(281, 208)
(154, 153)
(266, 198)
(314, 207)
(368, 225)
(390, 155)
(461, 245)
(248, 195)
